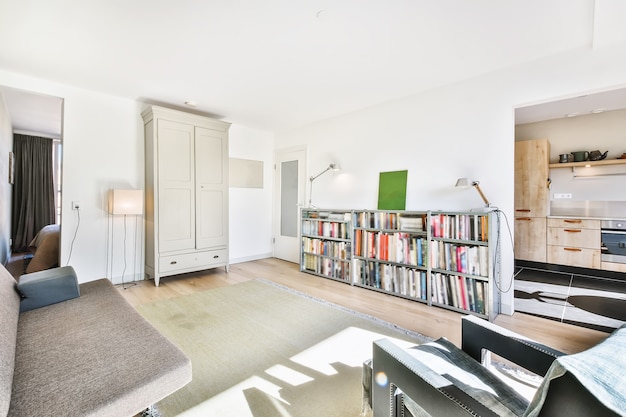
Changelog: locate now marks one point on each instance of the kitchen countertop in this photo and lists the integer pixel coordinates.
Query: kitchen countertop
(584, 217)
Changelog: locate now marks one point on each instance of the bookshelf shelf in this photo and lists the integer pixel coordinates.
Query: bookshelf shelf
(326, 243)
(390, 252)
(443, 259)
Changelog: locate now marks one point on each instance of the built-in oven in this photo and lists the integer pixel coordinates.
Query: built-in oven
(614, 241)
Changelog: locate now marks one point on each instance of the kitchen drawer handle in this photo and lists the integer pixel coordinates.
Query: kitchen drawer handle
(572, 230)
(523, 210)
(173, 263)
(523, 218)
(215, 256)
(573, 249)
(573, 221)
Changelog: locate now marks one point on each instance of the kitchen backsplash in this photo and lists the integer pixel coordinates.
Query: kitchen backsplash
(598, 209)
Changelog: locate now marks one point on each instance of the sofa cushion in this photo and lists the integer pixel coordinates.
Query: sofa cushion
(9, 312)
(47, 287)
(465, 374)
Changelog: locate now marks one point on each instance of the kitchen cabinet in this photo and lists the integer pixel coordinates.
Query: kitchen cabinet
(531, 199)
(574, 242)
(186, 192)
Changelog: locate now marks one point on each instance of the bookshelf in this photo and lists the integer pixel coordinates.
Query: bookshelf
(442, 259)
(460, 262)
(326, 243)
(390, 252)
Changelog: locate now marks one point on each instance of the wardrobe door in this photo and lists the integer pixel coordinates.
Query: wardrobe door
(176, 202)
(211, 160)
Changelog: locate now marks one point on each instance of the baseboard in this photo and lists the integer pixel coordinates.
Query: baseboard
(249, 258)
(127, 278)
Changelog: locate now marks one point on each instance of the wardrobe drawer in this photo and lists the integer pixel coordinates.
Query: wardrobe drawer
(192, 260)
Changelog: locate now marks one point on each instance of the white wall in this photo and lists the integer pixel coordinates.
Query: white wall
(461, 130)
(604, 132)
(103, 148)
(250, 209)
(6, 190)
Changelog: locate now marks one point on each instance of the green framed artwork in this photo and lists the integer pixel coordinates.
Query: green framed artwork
(392, 190)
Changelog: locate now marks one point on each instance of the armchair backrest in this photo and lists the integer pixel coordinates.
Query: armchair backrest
(587, 383)
(567, 397)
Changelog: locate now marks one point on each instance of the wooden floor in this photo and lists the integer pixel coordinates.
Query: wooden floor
(431, 321)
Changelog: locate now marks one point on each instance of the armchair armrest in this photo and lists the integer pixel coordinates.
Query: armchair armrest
(47, 287)
(436, 394)
(478, 334)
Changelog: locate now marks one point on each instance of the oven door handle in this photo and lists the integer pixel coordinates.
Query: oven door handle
(613, 232)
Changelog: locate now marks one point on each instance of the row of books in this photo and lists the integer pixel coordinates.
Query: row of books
(336, 249)
(460, 226)
(337, 230)
(466, 259)
(390, 220)
(326, 215)
(326, 266)
(392, 278)
(397, 247)
(458, 291)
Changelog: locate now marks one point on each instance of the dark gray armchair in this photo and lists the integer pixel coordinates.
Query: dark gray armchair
(439, 379)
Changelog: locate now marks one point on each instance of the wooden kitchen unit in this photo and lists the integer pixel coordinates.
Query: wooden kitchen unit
(531, 199)
(574, 242)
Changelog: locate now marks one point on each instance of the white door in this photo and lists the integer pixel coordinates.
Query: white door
(290, 185)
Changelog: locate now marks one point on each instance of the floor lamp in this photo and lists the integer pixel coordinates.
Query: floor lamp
(126, 203)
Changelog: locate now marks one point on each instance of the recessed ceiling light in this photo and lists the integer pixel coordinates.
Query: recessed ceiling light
(598, 110)
(571, 114)
(191, 103)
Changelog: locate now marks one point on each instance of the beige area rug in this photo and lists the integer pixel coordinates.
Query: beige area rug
(261, 350)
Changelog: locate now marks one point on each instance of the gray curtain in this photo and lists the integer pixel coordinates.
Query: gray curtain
(33, 188)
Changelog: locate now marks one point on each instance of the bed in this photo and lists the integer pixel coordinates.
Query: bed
(45, 249)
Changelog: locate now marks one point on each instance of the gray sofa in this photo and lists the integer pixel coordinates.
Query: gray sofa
(90, 355)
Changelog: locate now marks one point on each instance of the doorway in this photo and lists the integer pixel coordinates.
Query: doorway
(290, 186)
(40, 116)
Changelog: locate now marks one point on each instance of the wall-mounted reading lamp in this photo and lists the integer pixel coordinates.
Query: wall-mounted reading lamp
(464, 183)
(331, 167)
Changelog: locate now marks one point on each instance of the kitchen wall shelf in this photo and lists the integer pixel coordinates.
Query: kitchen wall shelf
(602, 162)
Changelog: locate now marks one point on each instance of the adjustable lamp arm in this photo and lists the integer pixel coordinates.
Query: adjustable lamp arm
(482, 195)
(331, 167)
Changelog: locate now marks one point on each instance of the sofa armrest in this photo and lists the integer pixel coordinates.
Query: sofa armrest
(47, 287)
(479, 334)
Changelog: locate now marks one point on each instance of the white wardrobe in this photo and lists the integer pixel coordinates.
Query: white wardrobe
(186, 192)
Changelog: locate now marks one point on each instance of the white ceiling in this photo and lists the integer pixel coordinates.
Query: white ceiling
(34, 113)
(280, 64)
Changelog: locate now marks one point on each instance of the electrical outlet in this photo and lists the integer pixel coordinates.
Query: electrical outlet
(75, 205)
(562, 195)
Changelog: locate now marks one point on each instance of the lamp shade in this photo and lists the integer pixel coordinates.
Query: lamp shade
(462, 183)
(125, 201)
